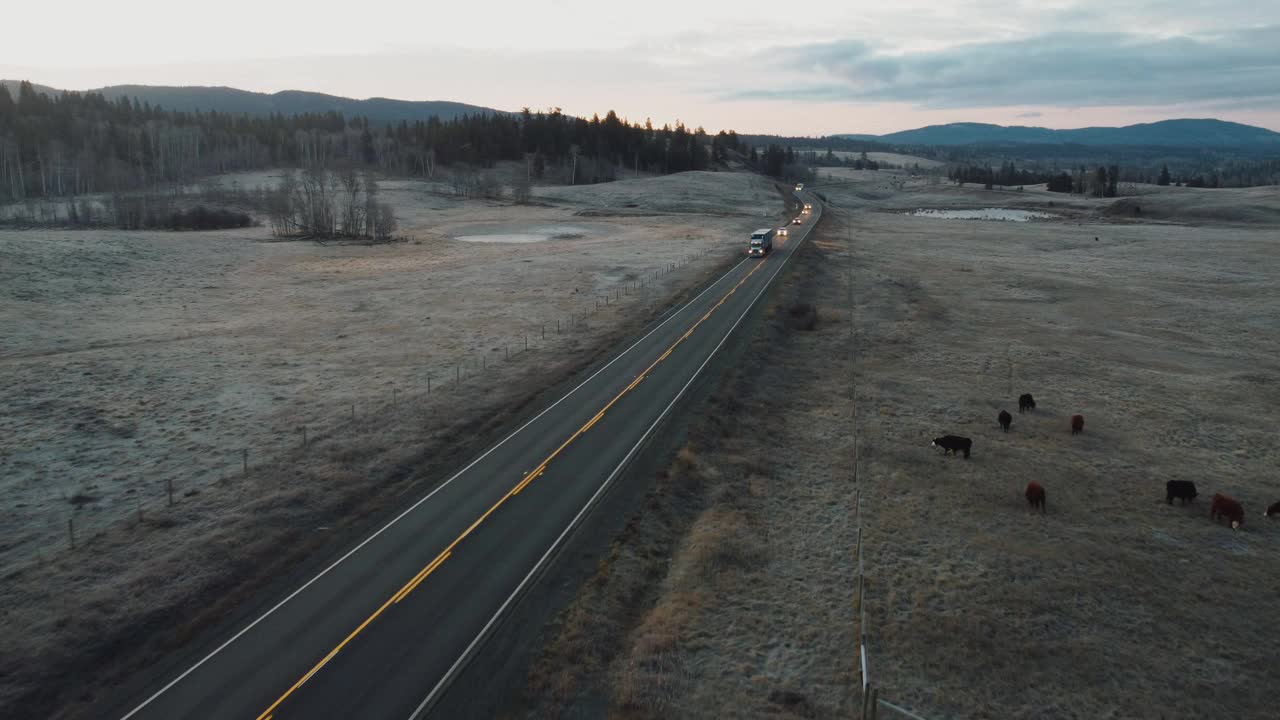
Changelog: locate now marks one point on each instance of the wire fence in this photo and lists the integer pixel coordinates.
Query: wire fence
(81, 518)
(872, 703)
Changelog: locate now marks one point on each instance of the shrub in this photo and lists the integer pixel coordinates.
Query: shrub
(202, 218)
(802, 316)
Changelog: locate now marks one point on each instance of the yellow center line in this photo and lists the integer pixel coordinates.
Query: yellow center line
(423, 575)
(409, 587)
(526, 481)
(431, 566)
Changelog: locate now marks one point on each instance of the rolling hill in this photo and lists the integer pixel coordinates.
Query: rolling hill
(287, 102)
(1166, 133)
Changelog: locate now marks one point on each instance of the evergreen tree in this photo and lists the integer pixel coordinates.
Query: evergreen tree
(83, 143)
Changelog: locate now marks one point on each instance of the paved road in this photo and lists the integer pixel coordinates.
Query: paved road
(381, 632)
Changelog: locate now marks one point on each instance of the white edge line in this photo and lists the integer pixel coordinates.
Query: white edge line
(428, 496)
(457, 665)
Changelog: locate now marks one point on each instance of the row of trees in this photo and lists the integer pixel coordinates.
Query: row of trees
(1233, 167)
(322, 204)
(1101, 182)
(150, 210)
(80, 143)
(782, 163)
(1006, 175)
(1196, 181)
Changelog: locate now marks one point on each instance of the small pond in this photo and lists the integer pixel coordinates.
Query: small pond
(1006, 214)
(523, 234)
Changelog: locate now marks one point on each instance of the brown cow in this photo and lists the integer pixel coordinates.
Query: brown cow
(1077, 424)
(1035, 497)
(1228, 509)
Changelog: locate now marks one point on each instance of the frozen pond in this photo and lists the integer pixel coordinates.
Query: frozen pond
(983, 214)
(517, 234)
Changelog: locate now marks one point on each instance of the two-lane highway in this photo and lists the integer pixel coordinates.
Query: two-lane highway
(382, 631)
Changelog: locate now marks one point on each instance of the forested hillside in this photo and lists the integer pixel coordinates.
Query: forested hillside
(74, 143)
(291, 102)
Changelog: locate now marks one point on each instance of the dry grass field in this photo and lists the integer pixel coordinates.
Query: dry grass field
(1165, 337)
(135, 359)
(1164, 332)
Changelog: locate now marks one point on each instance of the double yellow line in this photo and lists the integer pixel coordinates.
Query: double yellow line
(432, 566)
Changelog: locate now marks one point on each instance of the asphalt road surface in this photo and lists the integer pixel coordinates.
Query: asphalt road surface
(382, 631)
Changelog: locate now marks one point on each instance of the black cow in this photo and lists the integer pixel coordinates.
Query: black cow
(1026, 402)
(1005, 420)
(952, 444)
(1273, 510)
(1184, 490)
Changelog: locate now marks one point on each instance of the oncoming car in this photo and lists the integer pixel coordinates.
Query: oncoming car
(782, 231)
(797, 220)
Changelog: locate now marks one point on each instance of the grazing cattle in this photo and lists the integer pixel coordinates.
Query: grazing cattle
(1026, 402)
(1273, 510)
(1035, 497)
(1184, 490)
(952, 444)
(1077, 424)
(1005, 419)
(1228, 509)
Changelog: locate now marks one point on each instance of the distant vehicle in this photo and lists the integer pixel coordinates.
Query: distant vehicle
(808, 207)
(761, 243)
(799, 187)
(797, 220)
(783, 231)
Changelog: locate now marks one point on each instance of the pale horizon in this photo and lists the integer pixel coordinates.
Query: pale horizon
(862, 68)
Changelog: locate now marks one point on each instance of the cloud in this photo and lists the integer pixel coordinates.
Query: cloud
(1030, 115)
(1061, 69)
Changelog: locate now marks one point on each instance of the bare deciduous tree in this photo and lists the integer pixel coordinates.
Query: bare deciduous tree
(324, 204)
(521, 187)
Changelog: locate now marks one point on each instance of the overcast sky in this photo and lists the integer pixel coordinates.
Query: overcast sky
(828, 66)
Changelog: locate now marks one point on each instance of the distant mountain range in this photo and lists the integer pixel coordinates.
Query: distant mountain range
(287, 102)
(1167, 133)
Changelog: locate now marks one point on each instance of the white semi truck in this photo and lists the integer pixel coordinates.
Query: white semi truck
(761, 243)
